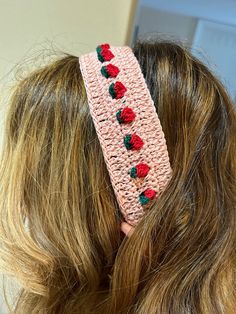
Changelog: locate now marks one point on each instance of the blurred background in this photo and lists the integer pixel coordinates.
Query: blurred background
(31, 32)
(208, 27)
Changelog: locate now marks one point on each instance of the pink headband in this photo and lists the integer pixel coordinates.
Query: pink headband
(128, 128)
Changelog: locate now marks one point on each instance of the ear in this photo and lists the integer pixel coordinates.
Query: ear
(126, 228)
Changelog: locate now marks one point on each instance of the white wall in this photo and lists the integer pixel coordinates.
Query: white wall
(223, 11)
(171, 25)
(181, 20)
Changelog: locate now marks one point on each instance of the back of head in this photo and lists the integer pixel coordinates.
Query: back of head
(60, 235)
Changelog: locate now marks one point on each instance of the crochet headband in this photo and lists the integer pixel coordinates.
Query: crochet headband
(128, 128)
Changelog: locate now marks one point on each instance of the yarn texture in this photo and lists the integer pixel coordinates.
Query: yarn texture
(103, 53)
(125, 115)
(109, 70)
(128, 128)
(117, 90)
(133, 141)
(139, 171)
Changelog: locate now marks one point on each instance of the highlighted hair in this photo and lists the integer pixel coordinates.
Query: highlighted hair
(59, 234)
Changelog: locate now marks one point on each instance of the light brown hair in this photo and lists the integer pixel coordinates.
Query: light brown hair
(59, 231)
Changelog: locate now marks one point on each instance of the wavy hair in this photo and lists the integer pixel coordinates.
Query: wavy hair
(60, 234)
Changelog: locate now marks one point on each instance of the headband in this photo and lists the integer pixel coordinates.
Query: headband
(128, 128)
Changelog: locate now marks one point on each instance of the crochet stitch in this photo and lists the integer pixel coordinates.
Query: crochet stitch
(125, 115)
(117, 90)
(146, 196)
(110, 70)
(128, 129)
(139, 171)
(133, 142)
(103, 52)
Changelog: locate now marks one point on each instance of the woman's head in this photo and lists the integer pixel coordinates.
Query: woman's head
(59, 223)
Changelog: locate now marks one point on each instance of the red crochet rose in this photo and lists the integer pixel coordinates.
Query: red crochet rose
(107, 54)
(127, 115)
(119, 89)
(136, 141)
(105, 46)
(142, 170)
(112, 70)
(149, 193)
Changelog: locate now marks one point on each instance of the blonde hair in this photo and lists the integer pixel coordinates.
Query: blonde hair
(59, 232)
